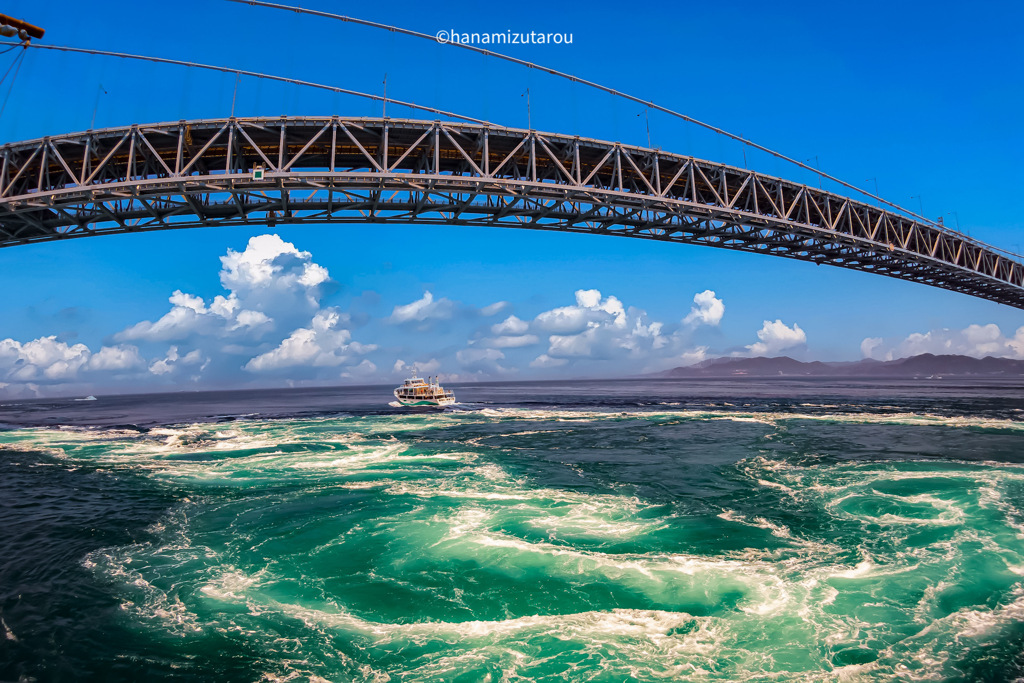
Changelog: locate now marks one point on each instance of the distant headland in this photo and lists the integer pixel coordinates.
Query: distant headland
(925, 365)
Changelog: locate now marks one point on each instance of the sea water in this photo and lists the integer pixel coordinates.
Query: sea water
(591, 531)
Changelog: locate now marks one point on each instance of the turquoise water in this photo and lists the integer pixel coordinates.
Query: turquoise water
(520, 543)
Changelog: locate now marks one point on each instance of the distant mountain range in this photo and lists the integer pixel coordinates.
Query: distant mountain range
(924, 365)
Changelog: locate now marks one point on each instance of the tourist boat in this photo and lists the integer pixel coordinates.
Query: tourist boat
(418, 392)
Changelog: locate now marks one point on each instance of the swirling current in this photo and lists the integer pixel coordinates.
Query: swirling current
(648, 531)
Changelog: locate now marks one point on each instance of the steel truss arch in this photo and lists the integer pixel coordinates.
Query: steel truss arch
(368, 170)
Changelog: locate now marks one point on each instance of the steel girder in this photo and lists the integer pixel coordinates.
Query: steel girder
(366, 170)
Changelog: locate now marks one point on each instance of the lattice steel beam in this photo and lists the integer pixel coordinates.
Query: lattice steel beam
(365, 170)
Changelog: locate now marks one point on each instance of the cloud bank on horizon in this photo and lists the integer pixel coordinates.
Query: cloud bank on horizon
(272, 326)
(974, 340)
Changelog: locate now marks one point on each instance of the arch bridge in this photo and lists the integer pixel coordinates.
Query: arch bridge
(265, 171)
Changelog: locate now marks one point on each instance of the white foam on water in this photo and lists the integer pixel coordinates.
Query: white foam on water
(948, 512)
(660, 576)
(421, 491)
(777, 485)
(366, 457)
(232, 584)
(641, 639)
(491, 472)
(767, 417)
(529, 432)
(779, 530)
(241, 435)
(236, 457)
(624, 643)
(805, 592)
(8, 633)
(279, 441)
(935, 651)
(558, 513)
(865, 568)
(990, 496)
(583, 523)
(856, 490)
(147, 603)
(302, 675)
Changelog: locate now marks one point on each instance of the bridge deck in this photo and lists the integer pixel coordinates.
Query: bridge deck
(364, 170)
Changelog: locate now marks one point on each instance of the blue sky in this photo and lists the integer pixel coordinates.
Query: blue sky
(922, 98)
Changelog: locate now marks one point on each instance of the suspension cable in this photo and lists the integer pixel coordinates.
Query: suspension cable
(13, 61)
(590, 84)
(256, 74)
(17, 60)
(462, 117)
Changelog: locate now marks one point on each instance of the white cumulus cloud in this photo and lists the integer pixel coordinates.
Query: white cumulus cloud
(599, 328)
(174, 360)
(271, 285)
(422, 309)
(269, 317)
(112, 358)
(776, 336)
(419, 367)
(546, 361)
(482, 361)
(590, 307)
(512, 341)
(511, 333)
(707, 309)
(974, 340)
(190, 316)
(510, 325)
(494, 309)
(325, 343)
(45, 358)
(268, 265)
(692, 356)
(272, 322)
(365, 370)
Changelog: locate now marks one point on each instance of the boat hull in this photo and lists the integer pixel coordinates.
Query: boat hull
(426, 402)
